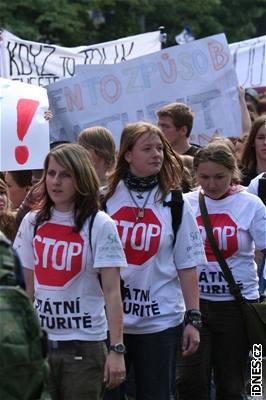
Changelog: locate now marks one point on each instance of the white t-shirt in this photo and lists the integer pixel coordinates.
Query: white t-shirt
(154, 301)
(253, 187)
(238, 221)
(68, 296)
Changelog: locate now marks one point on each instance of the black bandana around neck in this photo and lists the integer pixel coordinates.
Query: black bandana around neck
(139, 184)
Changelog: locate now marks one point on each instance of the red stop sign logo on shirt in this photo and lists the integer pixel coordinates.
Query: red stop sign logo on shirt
(225, 234)
(57, 261)
(140, 238)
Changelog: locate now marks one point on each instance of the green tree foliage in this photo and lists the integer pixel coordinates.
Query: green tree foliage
(74, 23)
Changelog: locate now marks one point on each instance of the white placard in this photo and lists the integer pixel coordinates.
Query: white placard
(42, 63)
(249, 59)
(24, 133)
(199, 73)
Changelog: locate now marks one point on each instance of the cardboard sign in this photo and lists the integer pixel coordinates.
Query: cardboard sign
(24, 132)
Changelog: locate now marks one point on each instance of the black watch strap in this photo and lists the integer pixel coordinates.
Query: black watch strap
(118, 348)
(193, 317)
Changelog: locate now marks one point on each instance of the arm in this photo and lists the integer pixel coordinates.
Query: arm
(189, 285)
(115, 365)
(245, 116)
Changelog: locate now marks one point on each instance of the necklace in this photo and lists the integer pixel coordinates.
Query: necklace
(140, 213)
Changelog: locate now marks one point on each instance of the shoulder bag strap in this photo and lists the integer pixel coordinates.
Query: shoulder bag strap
(262, 188)
(233, 286)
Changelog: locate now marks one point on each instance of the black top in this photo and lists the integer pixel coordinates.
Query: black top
(193, 149)
(248, 175)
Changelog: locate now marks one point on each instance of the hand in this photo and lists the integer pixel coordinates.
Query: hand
(114, 370)
(191, 340)
(48, 115)
(241, 91)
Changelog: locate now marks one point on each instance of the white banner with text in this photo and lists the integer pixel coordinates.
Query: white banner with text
(249, 59)
(200, 74)
(42, 63)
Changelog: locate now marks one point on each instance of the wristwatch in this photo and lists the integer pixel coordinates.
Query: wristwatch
(118, 348)
(193, 317)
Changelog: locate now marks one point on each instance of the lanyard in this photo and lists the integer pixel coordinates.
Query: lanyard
(140, 213)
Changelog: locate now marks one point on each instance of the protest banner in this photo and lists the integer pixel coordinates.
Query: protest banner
(200, 74)
(41, 64)
(24, 133)
(249, 59)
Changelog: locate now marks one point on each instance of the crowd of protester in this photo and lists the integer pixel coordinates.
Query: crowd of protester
(133, 309)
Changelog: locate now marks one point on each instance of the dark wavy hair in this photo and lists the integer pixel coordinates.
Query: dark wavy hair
(249, 159)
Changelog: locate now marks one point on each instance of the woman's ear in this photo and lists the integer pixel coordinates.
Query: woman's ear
(127, 156)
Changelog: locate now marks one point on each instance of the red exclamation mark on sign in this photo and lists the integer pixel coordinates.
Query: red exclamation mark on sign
(26, 109)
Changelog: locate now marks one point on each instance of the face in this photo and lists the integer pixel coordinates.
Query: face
(3, 202)
(215, 179)
(260, 143)
(16, 193)
(172, 134)
(146, 156)
(60, 186)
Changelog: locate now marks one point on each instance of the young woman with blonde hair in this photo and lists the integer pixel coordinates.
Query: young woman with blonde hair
(99, 143)
(161, 280)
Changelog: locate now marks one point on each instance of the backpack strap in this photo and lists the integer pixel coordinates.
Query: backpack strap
(92, 218)
(262, 188)
(176, 204)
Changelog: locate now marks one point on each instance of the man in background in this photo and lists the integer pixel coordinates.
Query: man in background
(176, 121)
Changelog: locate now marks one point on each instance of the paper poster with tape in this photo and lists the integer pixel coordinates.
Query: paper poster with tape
(24, 133)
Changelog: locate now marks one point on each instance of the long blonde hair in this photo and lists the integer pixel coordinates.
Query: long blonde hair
(101, 141)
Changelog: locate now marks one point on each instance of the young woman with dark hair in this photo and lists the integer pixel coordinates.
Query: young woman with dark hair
(19, 183)
(63, 255)
(253, 160)
(7, 217)
(238, 222)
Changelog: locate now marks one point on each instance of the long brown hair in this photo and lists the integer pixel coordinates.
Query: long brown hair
(170, 175)
(74, 159)
(249, 159)
(8, 219)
